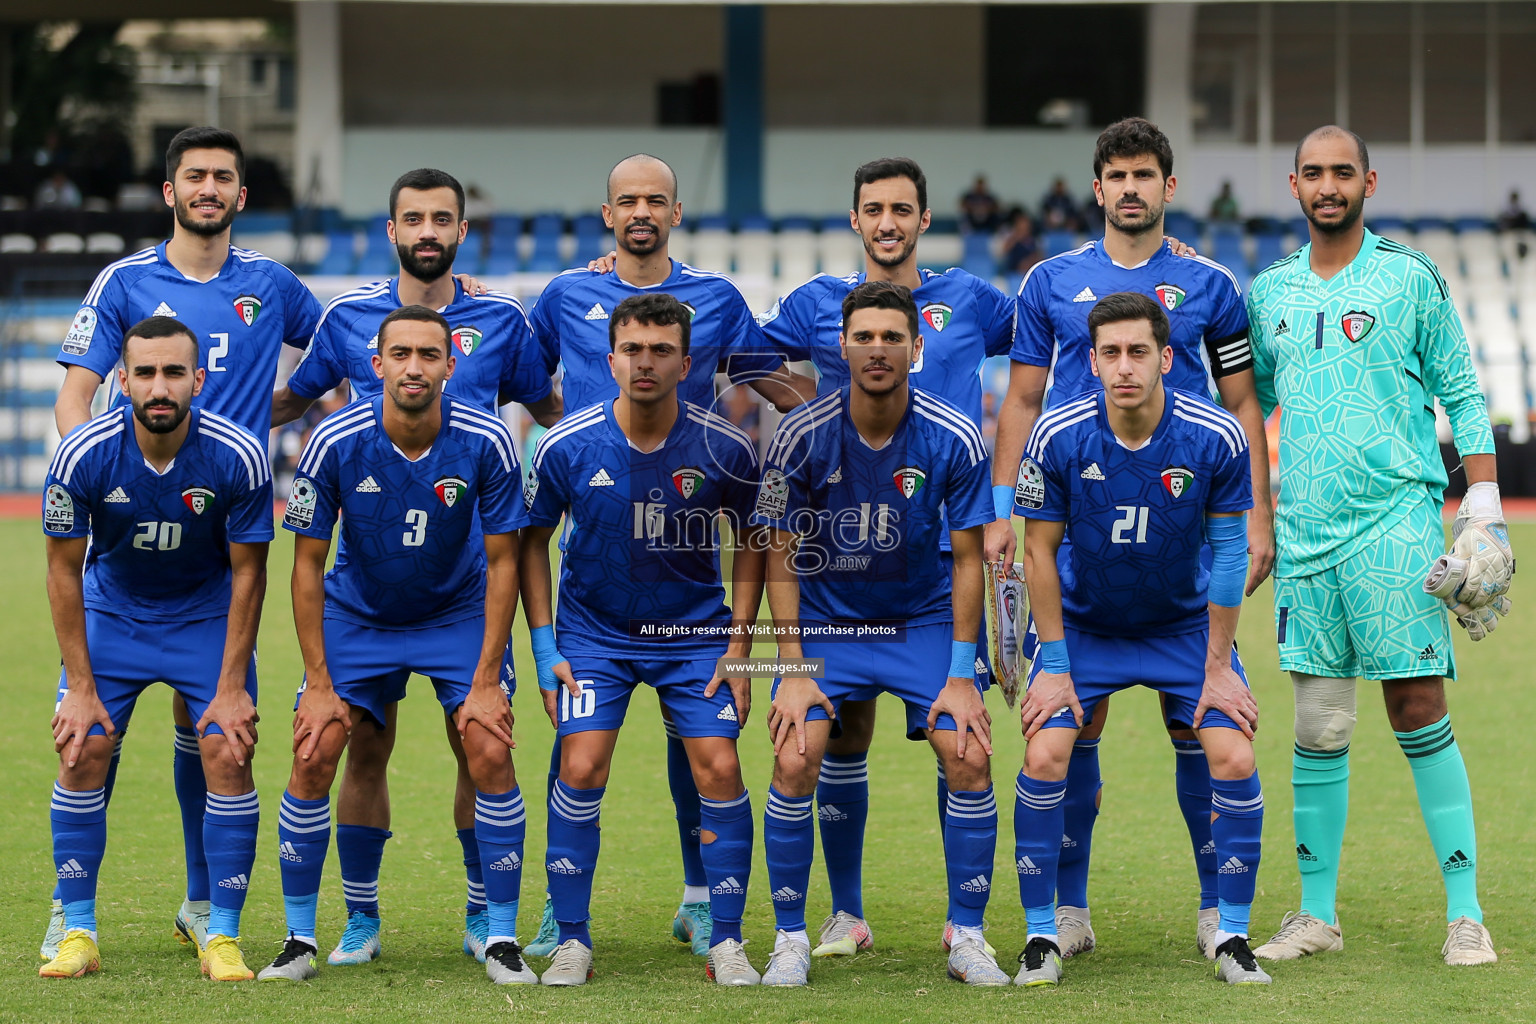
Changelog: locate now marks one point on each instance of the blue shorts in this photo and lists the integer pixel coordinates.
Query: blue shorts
(983, 640)
(369, 667)
(914, 668)
(608, 683)
(128, 655)
(1172, 665)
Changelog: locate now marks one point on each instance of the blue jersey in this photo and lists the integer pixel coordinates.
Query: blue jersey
(242, 318)
(869, 521)
(159, 541)
(640, 577)
(1208, 321)
(964, 320)
(1131, 562)
(411, 554)
(494, 357)
(570, 324)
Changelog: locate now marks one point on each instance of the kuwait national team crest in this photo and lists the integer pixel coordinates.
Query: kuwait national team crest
(687, 480)
(1171, 296)
(1176, 480)
(938, 316)
(198, 499)
(1357, 324)
(249, 308)
(450, 489)
(909, 480)
(466, 339)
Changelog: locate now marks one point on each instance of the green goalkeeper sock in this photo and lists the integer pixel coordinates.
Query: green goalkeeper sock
(1320, 781)
(1445, 798)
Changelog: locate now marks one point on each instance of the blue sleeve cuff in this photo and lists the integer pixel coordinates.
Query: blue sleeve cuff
(1002, 501)
(1053, 656)
(962, 659)
(1228, 537)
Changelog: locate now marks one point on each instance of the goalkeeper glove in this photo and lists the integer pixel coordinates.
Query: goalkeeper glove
(1476, 572)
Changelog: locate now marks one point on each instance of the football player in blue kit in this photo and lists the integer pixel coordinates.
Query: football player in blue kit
(158, 516)
(494, 363)
(1123, 489)
(242, 308)
(1133, 180)
(570, 323)
(643, 479)
(429, 494)
(857, 486)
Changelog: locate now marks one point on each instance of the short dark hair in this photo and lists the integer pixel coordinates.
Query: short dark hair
(203, 137)
(422, 179)
(654, 309)
(882, 295)
(891, 167)
(1333, 129)
(1122, 307)
(1133, 136)
(421, 315)
(159, 327)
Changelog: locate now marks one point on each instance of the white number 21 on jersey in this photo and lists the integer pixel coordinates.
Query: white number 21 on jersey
(1132, 518)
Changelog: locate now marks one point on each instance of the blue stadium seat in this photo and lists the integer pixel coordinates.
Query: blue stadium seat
(1227, 247)
(976, 254)
(265, 222)
(471, 257)
(835, 225)
(1392, 227)
(796, 224)
(1269, 248)
(378, 259)
(593, 238)
(340, 258)
(1054, 243)
(547, 228)
(506, 229)
(1182, 226)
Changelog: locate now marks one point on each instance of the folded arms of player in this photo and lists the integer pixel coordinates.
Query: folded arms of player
(960, 699)
(232, 709)
(796, 695)
(538, 605)
(81, 708)
(1224, 690)
(1051, 689)
(1473, 577)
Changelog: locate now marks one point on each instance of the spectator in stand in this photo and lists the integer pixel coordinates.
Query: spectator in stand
(1513, 217)
(1224, 206)
(1021, 250)
(56, 192)
(979, 209)
(1058, 210)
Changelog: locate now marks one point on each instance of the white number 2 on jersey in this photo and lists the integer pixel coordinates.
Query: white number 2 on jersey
(219, 350)
(1132, 518)
(416, 536)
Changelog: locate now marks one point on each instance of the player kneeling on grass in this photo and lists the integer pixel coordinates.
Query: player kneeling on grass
(429, 494)
(1122, 490)
(168, 510)
(643, 478)
(854, 489)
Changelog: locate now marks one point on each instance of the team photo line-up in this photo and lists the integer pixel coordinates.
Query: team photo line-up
(1130, 476)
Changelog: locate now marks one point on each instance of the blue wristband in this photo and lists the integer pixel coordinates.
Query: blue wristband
(1228, 538)
(1002, 501)
(545, 656)
(1053, 656)
(962, 659)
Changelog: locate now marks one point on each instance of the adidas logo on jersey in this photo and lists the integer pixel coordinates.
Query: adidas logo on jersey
(977, 884)
(1428, 653)
(1067, 842)
(600, 479)
(727, 713)
(1086, 295)
(730, 885)
(287, 851)
(1233, 866)
(563, 866)
(1305, 855)
(1457, 861)
(1093, 472)
(369, 486)
(836, 477)
(596, 312)
(511, 862)
(72, 869)
(235, 882)
(1282, 328)
(164, 310)
(785, 894)
(1208, 849)
(1027, 867)
(117, 497)
(829, 812)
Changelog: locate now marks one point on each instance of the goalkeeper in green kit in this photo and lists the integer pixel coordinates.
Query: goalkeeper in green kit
(1354, 337)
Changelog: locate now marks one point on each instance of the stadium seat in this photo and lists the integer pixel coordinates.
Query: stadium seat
(711, 248)
(340, 254)
(1227, 248)
(506, 231)
(1054, 243)
(64, 241)
(593, 238)
(754, 246)
(797, 253)
(976, 254)
(941, 250)
(840, 249)
(1268, 248)
(471, 256)
(17, 242)
(1182, 226)
(378, 259)
(546, 230)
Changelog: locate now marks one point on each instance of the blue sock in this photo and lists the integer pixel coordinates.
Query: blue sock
(1079, 810)
(1192, 782)
(192, 796)
(1037, 815)
(360, 849)
(970, 845)
(554, 773)
(229, 836)
(79, 823)
(1237, 830)
(727, 862)
(117, 756)
(574, 840)
(789, 842)
(685, 799)
(842, 798)
(943, 791)
(303, 837)
(475, 901)
(501, 826)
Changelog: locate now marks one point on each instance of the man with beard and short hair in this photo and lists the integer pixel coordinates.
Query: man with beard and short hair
(242, 307)
(1134, 182)
(494, 362)
(157, 517)
(1357, 336)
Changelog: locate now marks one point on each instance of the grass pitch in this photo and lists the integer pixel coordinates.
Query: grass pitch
(1143, 883)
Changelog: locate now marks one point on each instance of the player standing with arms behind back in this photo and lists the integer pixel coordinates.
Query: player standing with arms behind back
(1355, 336)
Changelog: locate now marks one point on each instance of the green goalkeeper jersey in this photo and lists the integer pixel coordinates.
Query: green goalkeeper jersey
(1356, 363)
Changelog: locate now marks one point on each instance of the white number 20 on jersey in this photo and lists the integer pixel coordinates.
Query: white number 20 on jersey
(1131, 518)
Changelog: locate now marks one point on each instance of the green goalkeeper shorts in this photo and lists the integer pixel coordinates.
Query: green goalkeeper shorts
(1369, 616)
